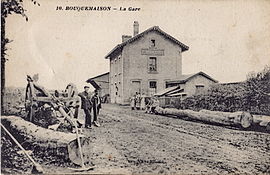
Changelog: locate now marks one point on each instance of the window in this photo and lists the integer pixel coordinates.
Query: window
(199, 88)
(116, 88)
(152, 64)
(153, 43)
(152, 87)
(165, 83)
(153, 84)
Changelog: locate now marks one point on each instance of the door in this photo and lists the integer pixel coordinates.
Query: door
(135, 87)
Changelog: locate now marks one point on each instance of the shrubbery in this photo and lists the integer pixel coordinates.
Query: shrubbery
(13, 101)
(253, 95)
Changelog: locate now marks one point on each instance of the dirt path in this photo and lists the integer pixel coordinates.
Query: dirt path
(134, 142)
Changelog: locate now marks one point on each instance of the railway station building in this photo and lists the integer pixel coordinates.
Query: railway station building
(147, 63)
(143, 63)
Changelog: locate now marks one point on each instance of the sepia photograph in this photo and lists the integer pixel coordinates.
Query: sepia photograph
(135, 87)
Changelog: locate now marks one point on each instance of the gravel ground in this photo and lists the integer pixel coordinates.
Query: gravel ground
(135, 142)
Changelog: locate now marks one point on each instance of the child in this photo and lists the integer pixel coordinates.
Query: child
(132, 102)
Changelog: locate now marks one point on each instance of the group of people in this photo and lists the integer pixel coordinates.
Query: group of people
(137, 101)
(90, 103)
(141, 102)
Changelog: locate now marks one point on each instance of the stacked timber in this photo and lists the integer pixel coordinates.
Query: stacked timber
(243, 119)
(169, 92)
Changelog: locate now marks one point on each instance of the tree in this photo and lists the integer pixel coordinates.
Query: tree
(258, 89)
(8, 7)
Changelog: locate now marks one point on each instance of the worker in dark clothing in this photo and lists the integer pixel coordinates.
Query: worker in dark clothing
(98, 104)
(86, 106)
(96, 107)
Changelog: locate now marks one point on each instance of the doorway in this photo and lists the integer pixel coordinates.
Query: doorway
(135, 87)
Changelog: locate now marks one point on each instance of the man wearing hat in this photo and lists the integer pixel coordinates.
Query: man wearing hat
(86, 106)
(96, 102)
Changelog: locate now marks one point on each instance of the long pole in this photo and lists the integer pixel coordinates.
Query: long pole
(62, 111)
(38, 167)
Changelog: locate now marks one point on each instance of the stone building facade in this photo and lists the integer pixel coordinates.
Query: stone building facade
(143, 63)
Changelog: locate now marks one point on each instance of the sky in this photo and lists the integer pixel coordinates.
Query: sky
(226, 39)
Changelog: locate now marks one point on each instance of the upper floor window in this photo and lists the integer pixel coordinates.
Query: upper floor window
(152, 66)
(153, 43)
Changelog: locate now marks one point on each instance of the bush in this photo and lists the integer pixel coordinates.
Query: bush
(13, 101)
(253, 95)
(257, 95)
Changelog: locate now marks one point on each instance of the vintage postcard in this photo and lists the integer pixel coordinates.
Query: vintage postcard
(135, 87)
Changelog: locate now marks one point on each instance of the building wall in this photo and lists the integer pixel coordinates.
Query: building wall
(103, 82)
(115, 78)
(190, 86)
(135, 65)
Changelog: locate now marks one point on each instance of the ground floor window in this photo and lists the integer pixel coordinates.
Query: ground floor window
(199, 89)
(152, 87)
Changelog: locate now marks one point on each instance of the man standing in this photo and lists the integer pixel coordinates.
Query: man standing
(98, 103)
(96, 106)
(86, 106)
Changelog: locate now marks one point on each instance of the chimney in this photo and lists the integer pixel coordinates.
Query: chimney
(125, 38)
(136, 28)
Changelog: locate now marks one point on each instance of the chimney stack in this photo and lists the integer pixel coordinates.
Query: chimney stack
(136, 28)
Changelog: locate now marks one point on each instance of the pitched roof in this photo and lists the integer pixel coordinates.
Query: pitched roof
(184, 78)
(97, 76)
(119, 47)
(93, 82)
(233, 83)
(167, 90)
